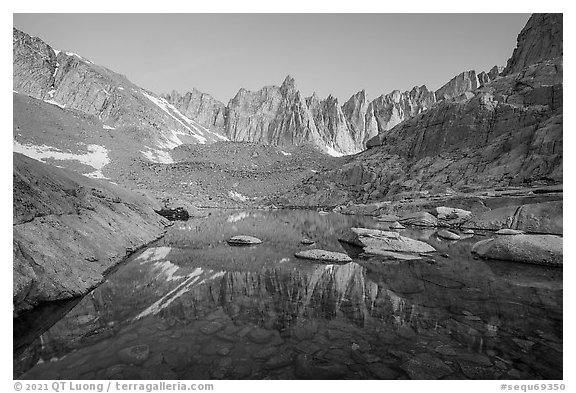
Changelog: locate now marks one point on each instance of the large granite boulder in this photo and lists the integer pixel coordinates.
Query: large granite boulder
(374, 240)
(536, 249)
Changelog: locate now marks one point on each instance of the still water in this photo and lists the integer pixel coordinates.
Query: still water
(192, 307)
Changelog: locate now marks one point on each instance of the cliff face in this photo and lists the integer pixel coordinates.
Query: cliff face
(68, 230)
(507, 132)
(273, 115)
(461, 83)
(200, 107)
(540, 39)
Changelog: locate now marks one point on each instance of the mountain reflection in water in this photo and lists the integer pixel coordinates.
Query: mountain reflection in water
(192, 307)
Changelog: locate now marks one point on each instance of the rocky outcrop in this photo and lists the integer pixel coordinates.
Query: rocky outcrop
(458, 85)
(200, 107)
(536, 249)
(68, 230)
(360, 117)
(539, 40)
(545, 217)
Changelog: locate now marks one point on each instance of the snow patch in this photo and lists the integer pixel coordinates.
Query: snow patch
(158, 156)
(55, 103)
(78, 56)
(166, 107)
(56, 51)
(237, 196)
(107, 127)
(333, 152)
(97, 156)
(237, 217)
(285, 153)
(154, 254)
(120, 88)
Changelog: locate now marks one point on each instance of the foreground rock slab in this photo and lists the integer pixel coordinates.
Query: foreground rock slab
(375, 241)
(537, 249)
(68, 230)
(243, 240)
(324, 256)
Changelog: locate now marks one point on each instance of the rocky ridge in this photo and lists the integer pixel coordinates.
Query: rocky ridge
(508, 132)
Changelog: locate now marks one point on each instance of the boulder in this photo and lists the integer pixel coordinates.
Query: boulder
(444, 213)
(448, 235)
(507, 231)
(174, 214)
(323, 256)
(243, 240)
(423, 219)
(397, 225)
(537, 249)
(374, 241)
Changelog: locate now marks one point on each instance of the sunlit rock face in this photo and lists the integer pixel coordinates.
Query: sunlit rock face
(201, 107)
(540, 39)
(461, 83)
(506, 132)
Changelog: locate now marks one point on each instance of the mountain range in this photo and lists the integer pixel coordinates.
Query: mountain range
(274, 115)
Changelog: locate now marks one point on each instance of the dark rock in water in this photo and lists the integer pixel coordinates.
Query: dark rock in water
(243, 240)
(137, 354)
(307, 241)
(448, 235)
(423, 219)
(174, 214)
(308, 367)
(425, 366)
(537, 249)
(324, 256)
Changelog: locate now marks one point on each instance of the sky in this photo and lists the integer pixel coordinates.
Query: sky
(338, 54)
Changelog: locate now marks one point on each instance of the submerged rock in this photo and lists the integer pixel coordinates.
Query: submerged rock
(308, 367)
(374, 241)
(537, 249)
(137, 354)
(243, 240)
(425, 366)
(448, 235)
(324, 256)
